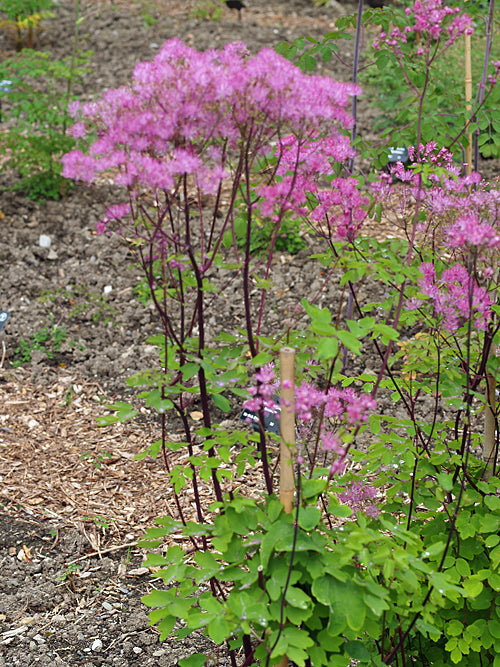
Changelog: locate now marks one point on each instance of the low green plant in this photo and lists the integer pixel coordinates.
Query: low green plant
(69, 572)
(99, 521)
(96, 460)
(207, 10)
(35, 114)
(48, 339)
(149, 13)
(290, 238)
(23, 19)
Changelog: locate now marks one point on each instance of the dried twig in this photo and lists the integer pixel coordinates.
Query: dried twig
(102, 551)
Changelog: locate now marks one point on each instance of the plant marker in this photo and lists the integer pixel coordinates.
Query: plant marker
(287, 429)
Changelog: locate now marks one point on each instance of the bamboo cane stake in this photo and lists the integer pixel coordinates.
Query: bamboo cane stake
(287, 430)
(468, 102)
(287, 427)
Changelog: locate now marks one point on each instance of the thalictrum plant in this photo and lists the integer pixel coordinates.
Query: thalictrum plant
(391, 554)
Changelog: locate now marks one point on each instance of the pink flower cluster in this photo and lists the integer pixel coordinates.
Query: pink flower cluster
(185, 110)
(466, 208)
(341, 207)
(344, 406)
(430, 20)
(470, 230)
(359, 496)
(455, 296)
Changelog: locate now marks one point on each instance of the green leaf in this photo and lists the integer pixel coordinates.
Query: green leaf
(275, 533)
(350, 341)
(454, 628)
(218, 629)
(221, 402)
(376, 604)
(158, 598)
(309, 517)
(494, 581)
(327, 348)
(297, 598)
(195, 660)
(313, 487)
(358, 651)
(445, 480)
(343, 595)
(341, 511)
(463, 567)
(473, 587)
(166, 626)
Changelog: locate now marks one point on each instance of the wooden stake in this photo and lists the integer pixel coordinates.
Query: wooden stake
(287, 429)
(468, 101)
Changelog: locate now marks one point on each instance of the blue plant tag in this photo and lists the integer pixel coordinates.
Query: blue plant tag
(3, 318)
(271, 418)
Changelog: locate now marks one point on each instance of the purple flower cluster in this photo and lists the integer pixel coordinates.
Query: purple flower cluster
(185, 111)
(344, 406)
(340, 207)
(455, 297)
(431, 20)
(359, 496)
(461, 216)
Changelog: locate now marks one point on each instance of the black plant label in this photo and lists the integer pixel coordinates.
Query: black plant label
(271, 419)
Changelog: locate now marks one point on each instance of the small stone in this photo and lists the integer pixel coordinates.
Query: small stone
(107, 606)
(44, 241)
(96, 645)
(159, 652)
(107, 289)
(39, 639)
(52, 254)
(137, 650)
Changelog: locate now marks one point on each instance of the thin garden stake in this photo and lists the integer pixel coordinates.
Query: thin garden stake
(287, 429)
(287, 422)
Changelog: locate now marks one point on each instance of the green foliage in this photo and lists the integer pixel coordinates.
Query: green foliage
(98, 460)
(48, 340)
(16, 10)
(207, 10)
(69, 572)
(392, 90)
(290, 237)
(34, 110)
(23, 19)
(352, 582)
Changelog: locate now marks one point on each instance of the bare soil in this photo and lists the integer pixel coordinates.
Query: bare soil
(73, 500)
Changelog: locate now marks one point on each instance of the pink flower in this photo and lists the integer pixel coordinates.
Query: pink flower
(456, 297)
(469, 230)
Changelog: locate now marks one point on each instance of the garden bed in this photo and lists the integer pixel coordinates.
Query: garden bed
(74, 501)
